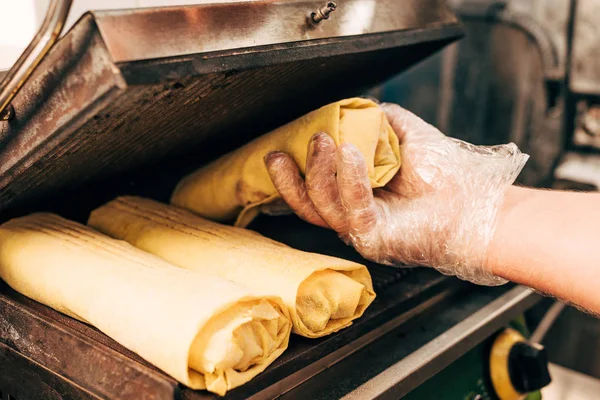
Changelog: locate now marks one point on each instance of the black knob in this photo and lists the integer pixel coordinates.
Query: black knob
(528, 367)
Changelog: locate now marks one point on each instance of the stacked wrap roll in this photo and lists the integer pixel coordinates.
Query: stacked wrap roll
(206, 332)
(323, 294)
(238, 184)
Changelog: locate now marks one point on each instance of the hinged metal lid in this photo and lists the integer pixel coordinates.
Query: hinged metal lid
(131, 87)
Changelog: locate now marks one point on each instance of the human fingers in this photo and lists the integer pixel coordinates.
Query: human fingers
(355, 191)
(286, 178)
(321, 182)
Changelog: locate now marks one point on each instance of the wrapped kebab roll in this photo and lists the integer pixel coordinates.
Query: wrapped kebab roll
(237, 184)
(206, 332)
(323, 294)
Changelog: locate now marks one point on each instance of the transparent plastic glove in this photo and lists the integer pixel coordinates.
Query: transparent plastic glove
(438, 211)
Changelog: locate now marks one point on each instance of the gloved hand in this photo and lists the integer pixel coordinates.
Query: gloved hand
(439, 210)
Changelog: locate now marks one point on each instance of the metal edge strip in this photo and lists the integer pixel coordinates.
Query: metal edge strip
(297, 378)
(408, 373)
(9, 350)
(22, 339)
(183, 30)
(154, 71)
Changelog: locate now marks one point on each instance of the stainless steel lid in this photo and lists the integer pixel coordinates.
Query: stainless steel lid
(132, 87)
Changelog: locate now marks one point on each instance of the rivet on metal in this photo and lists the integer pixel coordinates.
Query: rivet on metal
(323, 12)
(8, 113)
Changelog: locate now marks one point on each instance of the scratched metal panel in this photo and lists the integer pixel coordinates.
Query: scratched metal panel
(76, 81)
(164, 32)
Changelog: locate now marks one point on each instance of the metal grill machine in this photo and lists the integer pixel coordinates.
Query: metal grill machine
(128, 101)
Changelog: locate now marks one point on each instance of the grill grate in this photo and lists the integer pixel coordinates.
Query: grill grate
(384, 276)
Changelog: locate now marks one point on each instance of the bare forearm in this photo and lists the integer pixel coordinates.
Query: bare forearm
(550, 241)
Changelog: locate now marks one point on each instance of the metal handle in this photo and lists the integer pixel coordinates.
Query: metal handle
(53, 24)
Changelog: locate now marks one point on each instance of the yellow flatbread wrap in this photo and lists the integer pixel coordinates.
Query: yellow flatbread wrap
(204, 331)
(323, 294)
(237, 184)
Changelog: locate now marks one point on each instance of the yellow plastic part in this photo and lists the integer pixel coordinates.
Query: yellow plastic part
(499, 365)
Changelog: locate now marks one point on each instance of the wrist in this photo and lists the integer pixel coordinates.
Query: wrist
(508, 221)
(472, 249)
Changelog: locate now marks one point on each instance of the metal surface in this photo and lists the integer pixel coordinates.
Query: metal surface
(17, 76)
(177, 31)
(547, 321)
(73, 355)
(467, 378)
(413, 370)
(50, 386)
(293, 380)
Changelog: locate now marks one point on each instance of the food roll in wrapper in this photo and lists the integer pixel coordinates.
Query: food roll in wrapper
(204, 331)
(236, 185)
(323, 294)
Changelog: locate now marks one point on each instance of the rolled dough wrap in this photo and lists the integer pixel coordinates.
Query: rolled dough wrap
(206, 332)
(323, 294)
(237, 184)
